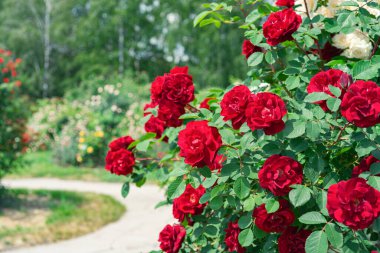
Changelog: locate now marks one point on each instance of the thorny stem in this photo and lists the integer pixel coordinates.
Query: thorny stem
(340, 133)
(375, 47)
(191, 108)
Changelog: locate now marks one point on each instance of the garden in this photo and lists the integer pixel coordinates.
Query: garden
(121, 130)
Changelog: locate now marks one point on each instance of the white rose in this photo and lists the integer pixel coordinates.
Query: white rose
(356, 45)
(340, 41)
(311, 6)
(325, 11)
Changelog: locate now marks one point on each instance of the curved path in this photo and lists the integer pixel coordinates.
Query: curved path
(136, 231)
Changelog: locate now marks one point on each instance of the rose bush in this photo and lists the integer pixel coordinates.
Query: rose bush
(14, 138)
(286, 160)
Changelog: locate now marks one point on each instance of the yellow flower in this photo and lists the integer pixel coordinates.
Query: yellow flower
(90, 150)
(99, 134)
(79, 158)
(82, 133)
(82, 140)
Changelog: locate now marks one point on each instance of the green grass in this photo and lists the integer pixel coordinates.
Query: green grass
(32, 217)
(42, 164)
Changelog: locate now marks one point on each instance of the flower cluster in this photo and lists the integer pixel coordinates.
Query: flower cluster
(284, 161)
(171, 93)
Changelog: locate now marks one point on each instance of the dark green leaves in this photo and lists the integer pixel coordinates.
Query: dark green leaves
(294, 128)
(125, 189)
(334, 235)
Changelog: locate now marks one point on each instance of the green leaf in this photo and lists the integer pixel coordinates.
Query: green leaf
(375, 168)
(366, 70)
(249, 204)
(365, 147)
(246, 237)
(316, 96)
(245, 221)
(333, 104)
(270, 57)
(316, 242)
(255, 59)
(335, 91)
(294, 129)
(374, 181)
(312, 218)
(292, 82)
(299, 196)
(176, 188)
(125, 189)
(334, 235)
(272, 206)
(200, 17)
(205, 197)
(216, 203)
(313, 129)
(241, 187)
(143, 146)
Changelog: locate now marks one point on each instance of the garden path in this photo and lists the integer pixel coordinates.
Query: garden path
(136, 231)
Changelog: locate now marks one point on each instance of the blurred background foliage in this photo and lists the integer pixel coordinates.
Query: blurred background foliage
(65, 43)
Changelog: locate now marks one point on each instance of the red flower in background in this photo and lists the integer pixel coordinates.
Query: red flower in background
(248, 48)
(361, 104)
(232, 238)
(265, 111)
(293, 241)
(188, 203)
(365, 165)
(120, 162)
(234, 104)
(353, 203)
(199, 144)
(274, 222)
(121, 143)
(171, 238)
(321, 81)
(278, 173)
(280, 26)
(285, 3)
(205, 103)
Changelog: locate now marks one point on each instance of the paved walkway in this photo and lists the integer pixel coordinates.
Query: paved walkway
(137, 230)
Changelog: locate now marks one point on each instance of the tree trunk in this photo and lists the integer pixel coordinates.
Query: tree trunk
(47, 49)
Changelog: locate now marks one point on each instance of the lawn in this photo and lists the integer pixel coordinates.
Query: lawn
(33, 217)
(42, 164)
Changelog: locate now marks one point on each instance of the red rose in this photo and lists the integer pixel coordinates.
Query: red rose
(121, 143)
(205, 103)
(156, 89)
(188, 203)
(231, 240)
(177, 87)
(353, 203)
(321, 81)
(199, 143)
(171, 238)
(274, 222)
(218, 162)
(280, 26)
(151, 105)
(248, 48)
(285, 3)
(293, 241)
(170, 112)
(234, 104)
(155, 125)
(120, 162)
(364, 165)
(265, 111)
(361, 104)
(327, 52)
(278, 173)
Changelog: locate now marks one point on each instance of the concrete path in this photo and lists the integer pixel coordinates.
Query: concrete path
(137, 230)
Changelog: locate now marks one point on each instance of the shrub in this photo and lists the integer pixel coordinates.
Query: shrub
(13, 114)
(289, 160)
(78, 127)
